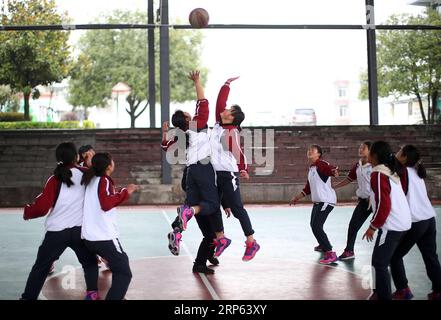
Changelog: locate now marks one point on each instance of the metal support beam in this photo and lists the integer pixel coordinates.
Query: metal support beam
(372, 63)
(164, 49)
(151, 59)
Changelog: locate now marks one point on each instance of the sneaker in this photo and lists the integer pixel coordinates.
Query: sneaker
(202, 268)
(251, 249)
(174, 241)
(221, 245)
(185, 213)
(92, 295)
(214, 261)
(177, 223)
(434, 296)
(347, 255)
(402, 294)
(330, 257)
(51, 269)
(319, 249)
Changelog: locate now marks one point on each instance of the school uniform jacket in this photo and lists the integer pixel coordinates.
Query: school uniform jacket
(226, 151)
(100, 202)
(319, 183)
(416, 195)
(389, 204)
(198, 135)
(361, 173)
(63, 204)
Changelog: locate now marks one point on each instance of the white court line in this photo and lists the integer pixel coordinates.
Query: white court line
(204, 278)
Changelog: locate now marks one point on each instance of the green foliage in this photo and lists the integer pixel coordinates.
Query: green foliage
(32, 58)
(11, 116)
(40, 125)
(409, 61)
(87, 124)
(111, 56)
(9, 101)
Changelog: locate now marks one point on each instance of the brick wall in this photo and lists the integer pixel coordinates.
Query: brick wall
(27, 159)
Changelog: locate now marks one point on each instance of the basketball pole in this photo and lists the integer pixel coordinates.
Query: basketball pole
(151, 62)
(372, 63)
(164, 56)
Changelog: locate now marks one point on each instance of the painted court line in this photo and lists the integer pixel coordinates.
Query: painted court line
(204, 278)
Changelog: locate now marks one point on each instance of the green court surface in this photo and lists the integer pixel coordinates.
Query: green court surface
(283, 233)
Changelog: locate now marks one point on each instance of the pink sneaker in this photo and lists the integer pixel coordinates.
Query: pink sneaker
(330, 257)
(174, 241)
(403, 294)
(251, 249)
(221, 245)
(92, 295)
(185, 213)
(347, 255)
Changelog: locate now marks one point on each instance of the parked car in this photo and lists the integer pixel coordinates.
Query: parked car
(304, 117)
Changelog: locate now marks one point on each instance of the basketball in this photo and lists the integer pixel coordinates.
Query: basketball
(199, 18)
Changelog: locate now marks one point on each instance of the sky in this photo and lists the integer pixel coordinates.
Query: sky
(280, 70)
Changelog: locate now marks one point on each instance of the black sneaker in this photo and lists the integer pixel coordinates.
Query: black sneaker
(177, 224)
(214, 261)
(202, 268)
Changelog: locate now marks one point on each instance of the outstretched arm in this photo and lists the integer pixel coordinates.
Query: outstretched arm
(195, 77)
(202, 112)
(222, 98)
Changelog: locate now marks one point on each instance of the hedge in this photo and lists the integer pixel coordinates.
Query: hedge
(46, 125)
(11, 116)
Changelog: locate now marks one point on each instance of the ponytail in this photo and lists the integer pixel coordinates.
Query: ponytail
(179, 121)
(421, 170)
(100, 163)
(413, 159)
(383, 152)
(66, 155)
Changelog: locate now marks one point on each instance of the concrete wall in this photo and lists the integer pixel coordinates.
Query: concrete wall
(27, 159)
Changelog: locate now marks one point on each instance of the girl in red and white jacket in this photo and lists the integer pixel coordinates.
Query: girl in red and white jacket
(230, 164)
(100, 230)
(360, 172)
(391, 215)
(423, 229)
(323, 197)
(62, 199)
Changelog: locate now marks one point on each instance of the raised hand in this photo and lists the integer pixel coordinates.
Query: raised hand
(165, 126)
(232, 79)
(194, 75)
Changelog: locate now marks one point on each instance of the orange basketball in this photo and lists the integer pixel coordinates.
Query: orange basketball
(199, 18)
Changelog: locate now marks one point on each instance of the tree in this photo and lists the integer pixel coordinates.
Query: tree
(32, 58)
(9, 101)
(409, 62)
(111, 56)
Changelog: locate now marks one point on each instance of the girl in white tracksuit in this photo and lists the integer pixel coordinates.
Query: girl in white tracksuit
(391, 215)
(423, 230)
(360, 172)
(323, 197)
(62, 201)
(100, 231)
